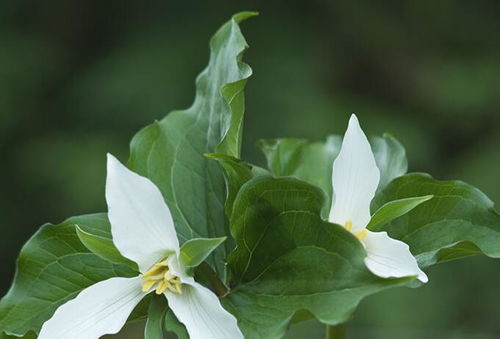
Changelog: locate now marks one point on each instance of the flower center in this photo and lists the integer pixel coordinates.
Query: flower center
(161, 277)
(359, 234)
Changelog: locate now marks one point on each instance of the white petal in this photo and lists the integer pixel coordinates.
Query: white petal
(200, 311)
(100, 309)
(390, 258)
(355, 178)
(141, 223)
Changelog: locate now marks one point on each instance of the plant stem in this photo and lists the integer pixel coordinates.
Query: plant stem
(217, 285)
(335, 332)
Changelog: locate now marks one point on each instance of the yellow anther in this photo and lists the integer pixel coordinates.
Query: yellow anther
(162, 279)
(162, 287)
(157, 270)
(146, 285)
(177, 287)
(361, 234)
(348, 225)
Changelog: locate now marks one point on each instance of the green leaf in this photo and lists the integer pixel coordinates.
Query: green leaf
(458, 251)
(289, 260)
(103, 247)
(394, 209)
(308, 161)
(237, 172)
(170, 152)
(195, 251)
(156, 317)
(458, 221)
(313, 161)
(52, 268)
(390, 156)
(29, 335)
(172, 324)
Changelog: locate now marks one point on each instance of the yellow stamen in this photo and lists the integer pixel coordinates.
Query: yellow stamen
(162, 279)
(146, 285)
(178, 288)
(361, 234)
(157, 270)
(161, 287)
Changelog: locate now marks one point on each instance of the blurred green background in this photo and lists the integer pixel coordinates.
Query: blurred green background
(79, 78)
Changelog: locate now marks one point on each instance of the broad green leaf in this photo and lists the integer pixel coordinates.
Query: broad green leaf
(53, 267)
(458, 221)
(313, 161)
(458, 251)
(308, 161)
(103, 247)
(156, 317)
(195, 251)
(394, 209)
(172, 324)
(237, 172)
(289, 260)
(390, 156)
(171, 152)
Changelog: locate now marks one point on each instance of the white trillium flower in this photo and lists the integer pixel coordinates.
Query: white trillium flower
(355, 179)
(143, 231)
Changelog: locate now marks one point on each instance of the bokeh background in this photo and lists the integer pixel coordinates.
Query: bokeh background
(79, 78)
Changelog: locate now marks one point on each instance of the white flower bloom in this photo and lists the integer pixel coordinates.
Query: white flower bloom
(143, 231)
(355, 178)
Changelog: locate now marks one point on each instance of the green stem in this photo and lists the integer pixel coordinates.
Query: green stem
(335, 332)
(209, 274)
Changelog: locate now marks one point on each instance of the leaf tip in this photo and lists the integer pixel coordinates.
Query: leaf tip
(221, 239)
(242, 16)
(80, 232)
